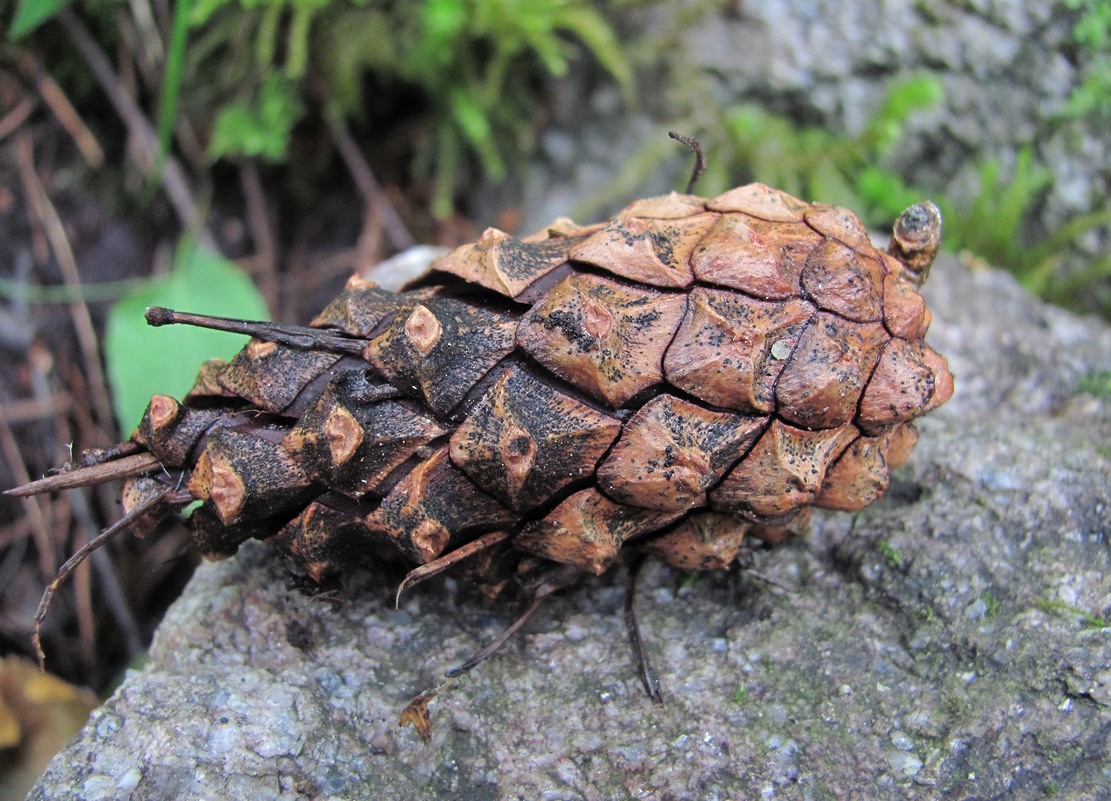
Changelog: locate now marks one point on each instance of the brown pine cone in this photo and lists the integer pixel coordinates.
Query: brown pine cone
(688, 373)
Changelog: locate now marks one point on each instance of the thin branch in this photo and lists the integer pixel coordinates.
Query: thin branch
(23, 411)
(31, 506)
(367, 184)
(368, 250)
(437, 566)
(632, 625)
(111, 590)
(296, 336)
(15, 118)
(83, 588)
(262, 233)
(173, 176)
(63, 110)
(551, 583)
(166, 497)
(699, 158)
(485, 653)
(63, 255)
(36, 213)
(84, 476)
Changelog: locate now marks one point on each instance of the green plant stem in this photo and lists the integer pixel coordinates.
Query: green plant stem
(61, 293)
(297, 56)
(267, 35)
(171, 84)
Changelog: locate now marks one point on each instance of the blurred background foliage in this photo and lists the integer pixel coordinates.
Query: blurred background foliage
(453, 92)
(244, 73)
(405, 108)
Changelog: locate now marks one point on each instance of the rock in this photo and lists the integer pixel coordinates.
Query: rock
(951, 640)
(1006, 69)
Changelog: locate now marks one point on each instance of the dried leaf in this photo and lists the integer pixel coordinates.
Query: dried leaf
(416, 714)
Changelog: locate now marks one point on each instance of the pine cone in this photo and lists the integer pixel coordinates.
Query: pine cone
(685, 375)
(689, 373)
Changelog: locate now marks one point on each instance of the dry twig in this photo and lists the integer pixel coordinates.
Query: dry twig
(32, 507)
(63, 254)
(367, 185)
(173, 176)
(84, 476)
(23, 411)
(149, 506)
(262, 233)
(110, 589)
(63, 110)
(14, 119)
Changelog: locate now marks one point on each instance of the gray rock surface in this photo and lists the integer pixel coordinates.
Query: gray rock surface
(950, 641)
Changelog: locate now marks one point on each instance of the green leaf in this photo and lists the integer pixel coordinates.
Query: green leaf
(475, 125)
(262, 129)
(885, 194)
(33, 13)
(142, 361)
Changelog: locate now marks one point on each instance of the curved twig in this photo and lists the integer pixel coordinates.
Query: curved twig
(437, 566)
(168, 497)
(699, 158)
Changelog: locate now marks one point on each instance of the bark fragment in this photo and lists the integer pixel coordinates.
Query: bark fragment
(436, 349)
(840, 280)
(857, 478)
(761, 201)
(432, 506)
(350, 441)
(704, 541)
(359, 308)
(651, 251)
(782, 472)
(758, 257)
(270, 376)
(170, 430)
(504, 264)
(821, 384)
(245, 476)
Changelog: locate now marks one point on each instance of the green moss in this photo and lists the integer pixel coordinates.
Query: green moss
(1092, 34)
(690, 580)
(893, 556)
(246, 75)
(1096, 383)
(1062, 609)
(992, 604)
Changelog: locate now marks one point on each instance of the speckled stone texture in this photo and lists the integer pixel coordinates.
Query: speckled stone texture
(947, 642)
